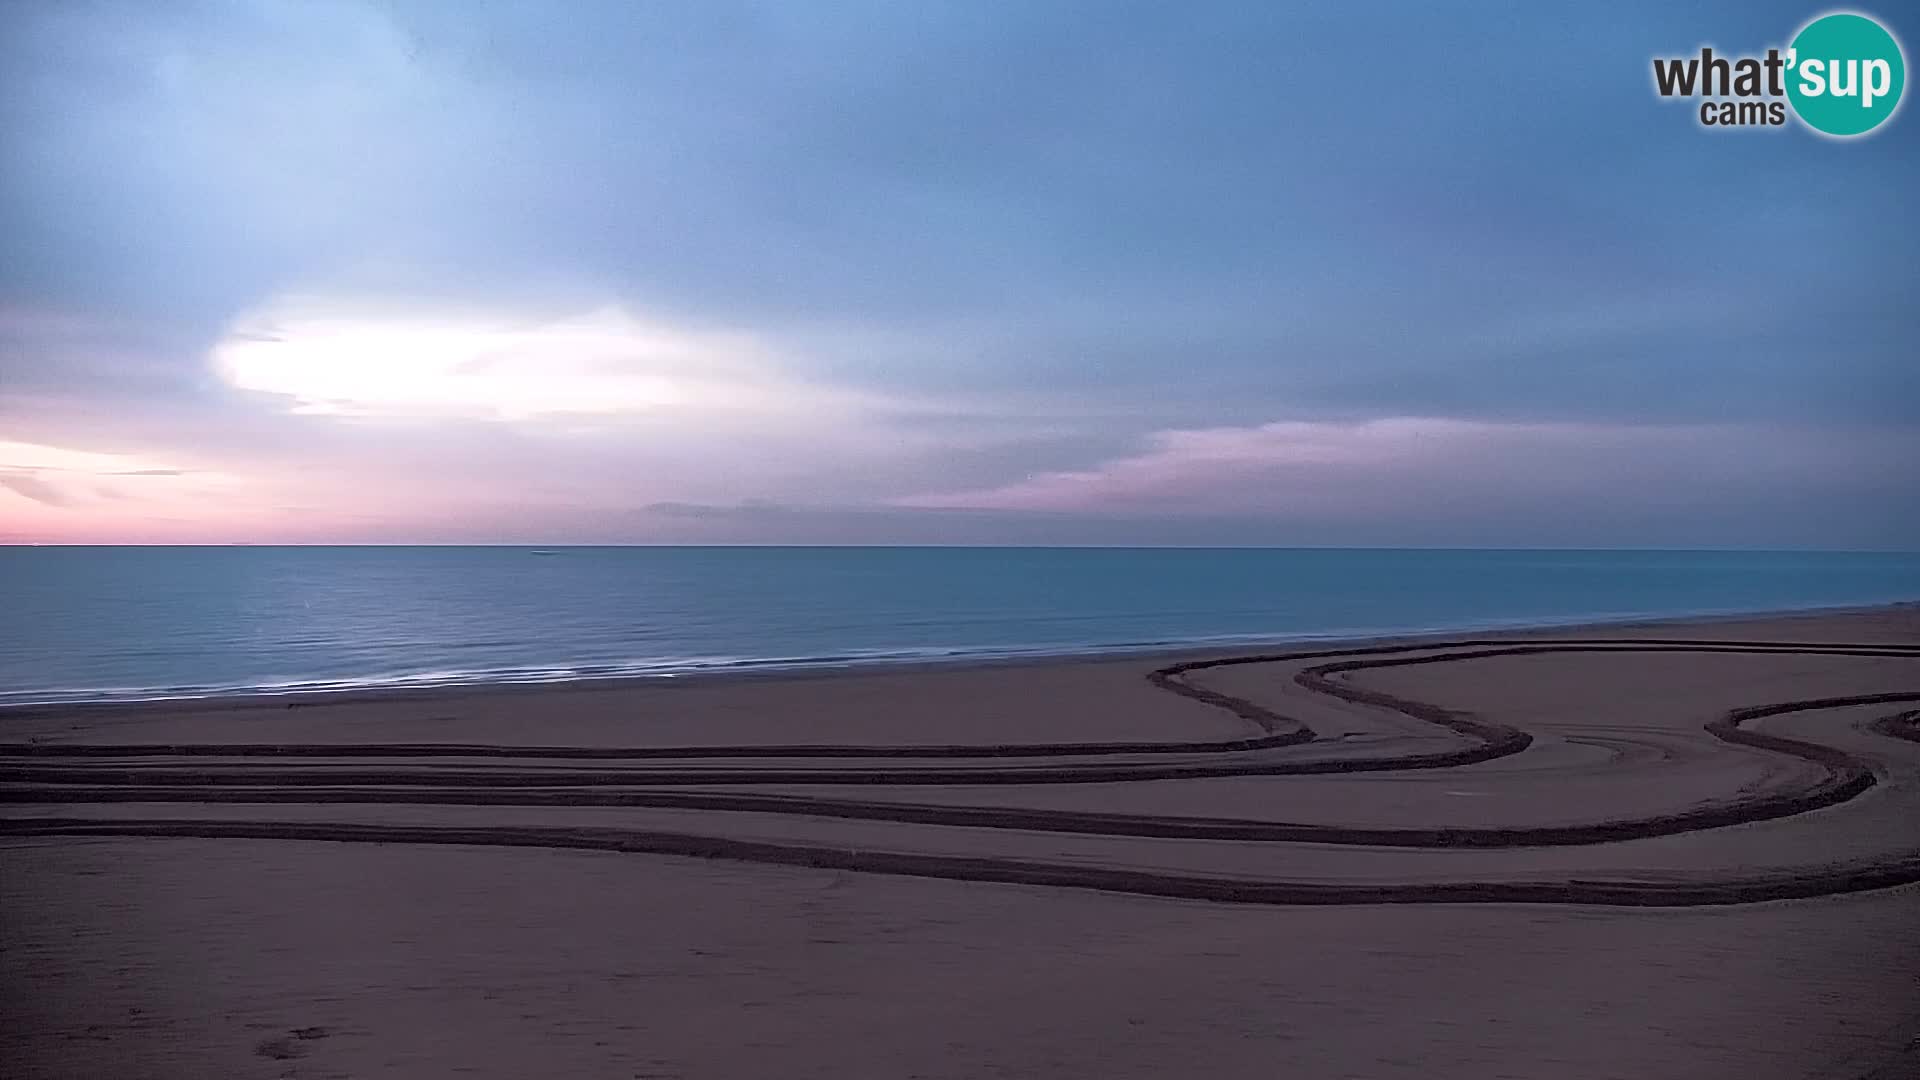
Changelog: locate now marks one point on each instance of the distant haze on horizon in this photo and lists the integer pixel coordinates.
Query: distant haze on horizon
(963, 273)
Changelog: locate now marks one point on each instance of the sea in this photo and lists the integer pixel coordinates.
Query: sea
(134, 623)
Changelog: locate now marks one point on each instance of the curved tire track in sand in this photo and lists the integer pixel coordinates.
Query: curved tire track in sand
(1026, 872)
(1843, 777)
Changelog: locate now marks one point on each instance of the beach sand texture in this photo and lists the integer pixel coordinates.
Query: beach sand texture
(1684, 849)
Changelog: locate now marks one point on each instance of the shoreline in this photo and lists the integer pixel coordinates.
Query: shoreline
(1059, 776)
(1682, 831)
(415, 687)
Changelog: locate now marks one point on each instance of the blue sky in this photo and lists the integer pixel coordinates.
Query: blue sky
(966, 273)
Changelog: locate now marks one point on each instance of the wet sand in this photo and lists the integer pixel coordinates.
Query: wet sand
(1666, 850)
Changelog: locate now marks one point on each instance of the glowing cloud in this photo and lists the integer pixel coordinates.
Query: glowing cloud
(605, 362)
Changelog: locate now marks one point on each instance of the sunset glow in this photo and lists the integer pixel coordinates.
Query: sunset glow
(603, 362)
(363, 272)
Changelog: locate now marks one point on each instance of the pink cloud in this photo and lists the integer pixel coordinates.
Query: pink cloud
(1404, 465)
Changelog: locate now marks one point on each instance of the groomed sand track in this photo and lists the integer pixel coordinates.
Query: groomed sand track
(714, 801)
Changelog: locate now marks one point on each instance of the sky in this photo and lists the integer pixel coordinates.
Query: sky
(1037, 272)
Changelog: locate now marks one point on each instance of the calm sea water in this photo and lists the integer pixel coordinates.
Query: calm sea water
(85, 623)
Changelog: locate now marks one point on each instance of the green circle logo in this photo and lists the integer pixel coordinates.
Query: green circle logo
(1845, 74)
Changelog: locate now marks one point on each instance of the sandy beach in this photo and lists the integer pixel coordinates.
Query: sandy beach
(1663, 850)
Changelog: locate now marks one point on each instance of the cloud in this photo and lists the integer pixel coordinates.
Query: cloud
(386, 262)
(1422, 470)
(72, 488)
(332, 359)
(749, 508)
(30, 486)
(1287, 463)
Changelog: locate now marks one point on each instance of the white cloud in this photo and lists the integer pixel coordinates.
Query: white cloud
(348, 362)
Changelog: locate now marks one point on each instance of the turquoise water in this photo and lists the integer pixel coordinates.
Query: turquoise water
(87, 623)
